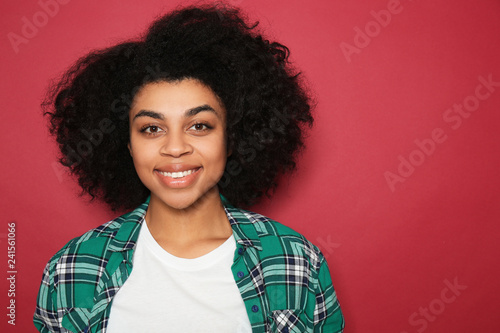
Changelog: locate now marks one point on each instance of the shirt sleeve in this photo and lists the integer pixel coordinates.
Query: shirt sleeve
(46, 317)
(327, 314)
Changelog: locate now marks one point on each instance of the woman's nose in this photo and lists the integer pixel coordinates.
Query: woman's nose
(175, 145)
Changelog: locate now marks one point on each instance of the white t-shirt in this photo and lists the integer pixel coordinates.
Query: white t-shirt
(165, 293)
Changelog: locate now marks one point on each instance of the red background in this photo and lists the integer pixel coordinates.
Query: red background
(390, 250)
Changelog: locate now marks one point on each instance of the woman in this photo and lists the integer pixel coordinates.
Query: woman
(201, 114)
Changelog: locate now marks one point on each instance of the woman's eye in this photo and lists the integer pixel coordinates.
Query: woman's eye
(151, 129)
(200, 127)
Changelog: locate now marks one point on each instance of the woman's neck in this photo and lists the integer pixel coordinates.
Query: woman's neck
(192, 231)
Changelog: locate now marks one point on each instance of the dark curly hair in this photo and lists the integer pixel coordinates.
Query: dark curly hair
(266, 103)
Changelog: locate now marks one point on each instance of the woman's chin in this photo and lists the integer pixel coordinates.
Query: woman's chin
(179, 202)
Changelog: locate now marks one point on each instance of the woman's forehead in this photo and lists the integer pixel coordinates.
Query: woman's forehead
(186, 97)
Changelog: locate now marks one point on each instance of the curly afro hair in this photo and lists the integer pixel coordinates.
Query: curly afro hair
(266, 103)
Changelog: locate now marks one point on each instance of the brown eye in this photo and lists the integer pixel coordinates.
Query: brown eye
(200, 127)
(152, 129)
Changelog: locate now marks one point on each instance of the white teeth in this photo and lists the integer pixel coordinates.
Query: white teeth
(177, 174)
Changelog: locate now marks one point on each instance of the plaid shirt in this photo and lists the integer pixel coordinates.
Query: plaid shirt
(283, 278)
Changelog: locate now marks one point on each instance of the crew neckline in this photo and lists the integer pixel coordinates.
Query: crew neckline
(219, 253)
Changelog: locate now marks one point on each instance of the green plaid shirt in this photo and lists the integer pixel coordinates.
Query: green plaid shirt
(283, 278)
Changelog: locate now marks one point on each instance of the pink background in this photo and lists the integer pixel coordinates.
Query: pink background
(394, 247)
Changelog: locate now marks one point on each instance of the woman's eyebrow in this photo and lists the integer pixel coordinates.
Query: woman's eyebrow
(147, 113)
(198, 109)
(188, 113)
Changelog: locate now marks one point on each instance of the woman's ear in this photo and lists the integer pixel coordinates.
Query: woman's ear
(129, 148)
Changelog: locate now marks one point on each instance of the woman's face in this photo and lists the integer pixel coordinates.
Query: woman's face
(178, 141)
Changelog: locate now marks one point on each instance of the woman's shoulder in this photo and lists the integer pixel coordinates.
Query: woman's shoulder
(118, 233)
(276, 236)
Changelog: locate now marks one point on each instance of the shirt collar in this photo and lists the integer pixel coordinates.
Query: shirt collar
(243, 224)
(245, 229)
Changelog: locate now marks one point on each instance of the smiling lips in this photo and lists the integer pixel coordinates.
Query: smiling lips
(177, 174)
(178, 179)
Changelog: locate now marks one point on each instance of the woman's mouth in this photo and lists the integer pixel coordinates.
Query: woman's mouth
(177, 175)
(179, 179)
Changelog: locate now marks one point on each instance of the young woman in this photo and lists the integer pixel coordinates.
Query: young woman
(198, 117)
